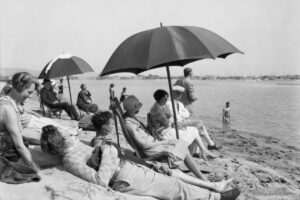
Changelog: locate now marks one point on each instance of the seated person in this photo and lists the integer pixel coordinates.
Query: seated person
(49, 98)
(84, 100)
(164, 126)
(183, 116)
(86, 121)
(121, 174)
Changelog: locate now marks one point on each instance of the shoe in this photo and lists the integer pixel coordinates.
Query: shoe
(197, 155)
(214, 147)
(231, 194)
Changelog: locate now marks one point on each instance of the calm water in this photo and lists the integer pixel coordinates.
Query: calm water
(267, 108)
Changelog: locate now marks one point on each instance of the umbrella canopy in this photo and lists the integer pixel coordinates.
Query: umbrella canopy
(167, 46)
(65, 65)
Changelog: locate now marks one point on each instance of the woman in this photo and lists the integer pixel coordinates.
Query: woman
(12, 145)
(125, 175)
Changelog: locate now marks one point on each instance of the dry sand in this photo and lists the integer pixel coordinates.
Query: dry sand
(264, 168)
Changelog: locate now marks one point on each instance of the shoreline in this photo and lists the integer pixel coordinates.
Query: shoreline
(264, 167)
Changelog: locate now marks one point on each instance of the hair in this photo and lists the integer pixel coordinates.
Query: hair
(124, 88)
(100, 119)
(227, 102)
(81, 86)
(187, 72)
(159, 94)
(61, 80)
(93, 108)
(22, 81)
(52, 141)
(112, 85)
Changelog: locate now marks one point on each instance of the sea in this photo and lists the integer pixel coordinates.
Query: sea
(269, 108)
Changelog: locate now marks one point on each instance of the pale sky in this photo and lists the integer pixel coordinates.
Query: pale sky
(35, 31)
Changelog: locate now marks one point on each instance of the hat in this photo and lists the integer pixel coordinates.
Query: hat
(178, 88)
(46, 81)
(131, 103)
(187, 70)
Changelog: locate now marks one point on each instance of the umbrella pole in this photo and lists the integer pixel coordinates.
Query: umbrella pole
(172, 101)
(69, 89)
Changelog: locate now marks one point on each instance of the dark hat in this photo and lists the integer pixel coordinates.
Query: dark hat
(187, 70)
(46, 81)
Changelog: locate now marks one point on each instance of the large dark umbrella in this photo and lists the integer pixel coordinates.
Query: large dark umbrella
(167, 46)
(65, 65)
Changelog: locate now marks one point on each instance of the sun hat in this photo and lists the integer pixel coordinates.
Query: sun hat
(131, 103)
(178, 88)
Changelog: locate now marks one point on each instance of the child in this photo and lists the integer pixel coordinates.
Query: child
(226, 113)
(123, 95)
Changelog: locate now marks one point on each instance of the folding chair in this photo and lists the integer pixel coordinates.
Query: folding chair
(118, 112)
(48, 112)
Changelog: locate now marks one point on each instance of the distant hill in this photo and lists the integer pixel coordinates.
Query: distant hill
(12, 71)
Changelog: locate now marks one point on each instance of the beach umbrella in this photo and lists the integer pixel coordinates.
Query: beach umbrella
(164, 47)
(65, 65)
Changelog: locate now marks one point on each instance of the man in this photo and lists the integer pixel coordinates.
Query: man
(164, 126)
(84, 100)
(184, 117)
(49, 98)
(120, 173)
(188, 96)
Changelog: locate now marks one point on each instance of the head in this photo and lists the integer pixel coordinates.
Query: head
(187, 72)
(103, 122)
(52, 140)
(132, 105)
(47, 83)
(177, 91)
(23, 84)
(161, 96)
(93, 108)
(112, 85)
(227, 104)
(124, 88)
(61, 80)
(83, 86)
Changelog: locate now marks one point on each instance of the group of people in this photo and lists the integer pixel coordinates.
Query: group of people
(103, 162)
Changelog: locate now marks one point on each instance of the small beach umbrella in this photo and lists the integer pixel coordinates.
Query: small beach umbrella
(65, 65)
(167, 46)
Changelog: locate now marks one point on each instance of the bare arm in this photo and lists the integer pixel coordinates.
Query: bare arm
(12, 126)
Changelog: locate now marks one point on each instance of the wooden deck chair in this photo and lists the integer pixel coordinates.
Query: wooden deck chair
(116, 108)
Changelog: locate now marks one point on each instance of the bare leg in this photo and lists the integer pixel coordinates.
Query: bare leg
(201, 128)
(203, 148)
(190, 164)
(215, 186)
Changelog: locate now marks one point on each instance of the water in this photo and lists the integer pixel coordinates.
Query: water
(267, 108)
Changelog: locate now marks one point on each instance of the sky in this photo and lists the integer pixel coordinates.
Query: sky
(33, 32)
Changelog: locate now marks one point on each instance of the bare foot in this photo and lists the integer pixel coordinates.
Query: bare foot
(211, 156)
(222, 185)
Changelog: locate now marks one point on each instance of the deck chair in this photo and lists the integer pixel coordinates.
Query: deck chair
(116, 108)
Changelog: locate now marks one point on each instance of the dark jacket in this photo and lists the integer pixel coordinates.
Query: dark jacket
(48, 96)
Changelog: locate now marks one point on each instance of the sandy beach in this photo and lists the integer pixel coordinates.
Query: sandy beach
(264, 167)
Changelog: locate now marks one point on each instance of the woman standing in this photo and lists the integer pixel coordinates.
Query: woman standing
(12, 146)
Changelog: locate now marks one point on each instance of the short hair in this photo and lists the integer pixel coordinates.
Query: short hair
(81, 86)
(93, 108)
(22, 81)
(227, 102)
(159, 94)
(112, 85)
(100, 119)
(124, 88)
(52, 141)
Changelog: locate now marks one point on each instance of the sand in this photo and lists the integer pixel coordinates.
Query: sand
(264, 167)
